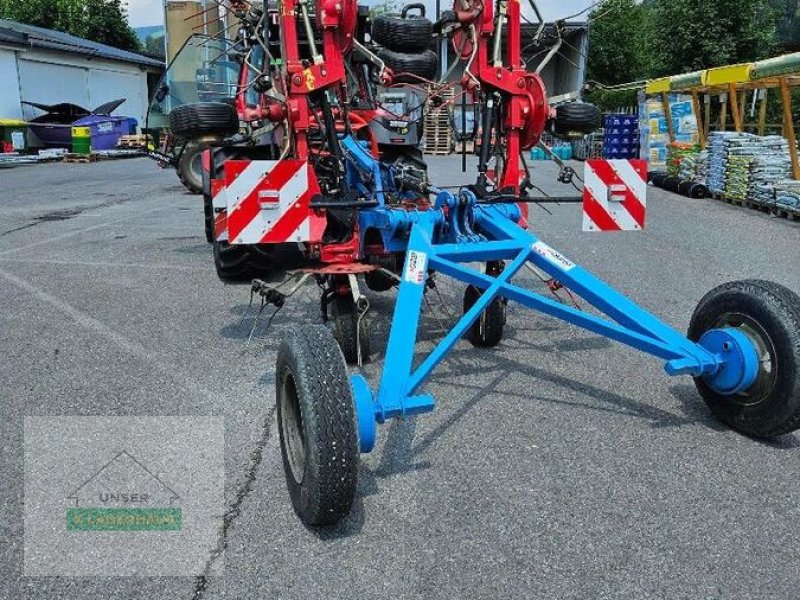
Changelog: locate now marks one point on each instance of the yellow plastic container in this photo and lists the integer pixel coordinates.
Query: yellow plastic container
(81, 140)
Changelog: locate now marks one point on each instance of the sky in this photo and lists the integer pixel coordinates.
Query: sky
(143, 13)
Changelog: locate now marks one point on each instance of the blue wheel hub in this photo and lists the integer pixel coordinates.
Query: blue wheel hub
(365, 413)
(740, 361)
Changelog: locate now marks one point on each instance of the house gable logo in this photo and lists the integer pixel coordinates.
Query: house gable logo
(124, 495)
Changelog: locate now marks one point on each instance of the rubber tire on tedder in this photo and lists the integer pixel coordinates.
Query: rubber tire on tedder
(405, 65)
(317, 426)
(487, 330)
(343, 321)
(402, 34)
(238, 262)
(203, 118)
(769, 314)
(576, 117)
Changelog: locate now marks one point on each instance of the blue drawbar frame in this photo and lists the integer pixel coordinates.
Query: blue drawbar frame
(727, 359)
(458, 229)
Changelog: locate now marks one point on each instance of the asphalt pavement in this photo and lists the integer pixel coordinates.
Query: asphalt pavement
(556, 466)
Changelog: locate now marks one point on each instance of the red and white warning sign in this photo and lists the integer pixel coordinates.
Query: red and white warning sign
(268, 202)
(614, 195)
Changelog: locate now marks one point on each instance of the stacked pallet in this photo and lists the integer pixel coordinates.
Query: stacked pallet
(438, 127)
(742, 165)
(133, 142)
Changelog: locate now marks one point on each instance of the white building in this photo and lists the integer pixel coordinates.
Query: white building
(50, 67)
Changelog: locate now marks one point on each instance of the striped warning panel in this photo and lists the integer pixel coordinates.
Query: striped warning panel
(614, 195)
(268, 202)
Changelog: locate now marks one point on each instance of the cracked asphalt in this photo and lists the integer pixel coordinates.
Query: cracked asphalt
(558, 465)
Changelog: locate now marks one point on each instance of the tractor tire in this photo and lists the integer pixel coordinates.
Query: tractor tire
(190, 166)
(411, 34)
(240, 262)
(769, 314)
(317, 426)
(576, 117)
(487, 330)
(202, 119)
(346, 331)
(409, 68)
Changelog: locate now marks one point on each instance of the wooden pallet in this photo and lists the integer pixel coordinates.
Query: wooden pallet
(786, 213)
(81, 158)
(775, 211)
(438, 132)
(133, 142)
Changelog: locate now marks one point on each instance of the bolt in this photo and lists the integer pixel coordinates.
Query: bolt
(296, 80)
(323, 72)
(520, 83)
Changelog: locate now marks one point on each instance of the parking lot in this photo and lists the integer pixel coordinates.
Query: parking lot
(558, 465)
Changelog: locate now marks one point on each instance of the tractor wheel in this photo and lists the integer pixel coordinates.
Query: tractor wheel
(577, 117)
(317, 426)
(344, 323)
(392, 31)
(769, 315)
(190, 166)
(487, 330)
(408, 68)
(239, 262)
(203, 118)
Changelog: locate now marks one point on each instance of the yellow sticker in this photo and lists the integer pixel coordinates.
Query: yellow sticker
(309, 78)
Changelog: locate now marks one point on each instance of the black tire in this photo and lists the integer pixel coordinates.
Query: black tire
(392, 31)
(240, 262)
(378, 281)
(405, 65)
(576, 117)
(487, 330)
(190, 166)
(343, 321)
(671, 184)
(317, 426)
(684, 187)
(203, 118)
(658, 179)
(698, 190)
(769, 314)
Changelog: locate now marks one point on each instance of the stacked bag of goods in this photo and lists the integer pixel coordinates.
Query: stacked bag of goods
(719, 145)
(702, 167)
(621, 137)
(694, 167)
(787, 195)
(737, 176)
(676, 152)
(745, 166)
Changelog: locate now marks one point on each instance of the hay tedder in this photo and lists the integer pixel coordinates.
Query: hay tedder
(316, 178)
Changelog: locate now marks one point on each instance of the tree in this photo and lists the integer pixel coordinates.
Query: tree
(618, 42)
(154, 45)
(103, 21)
(689, 35)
